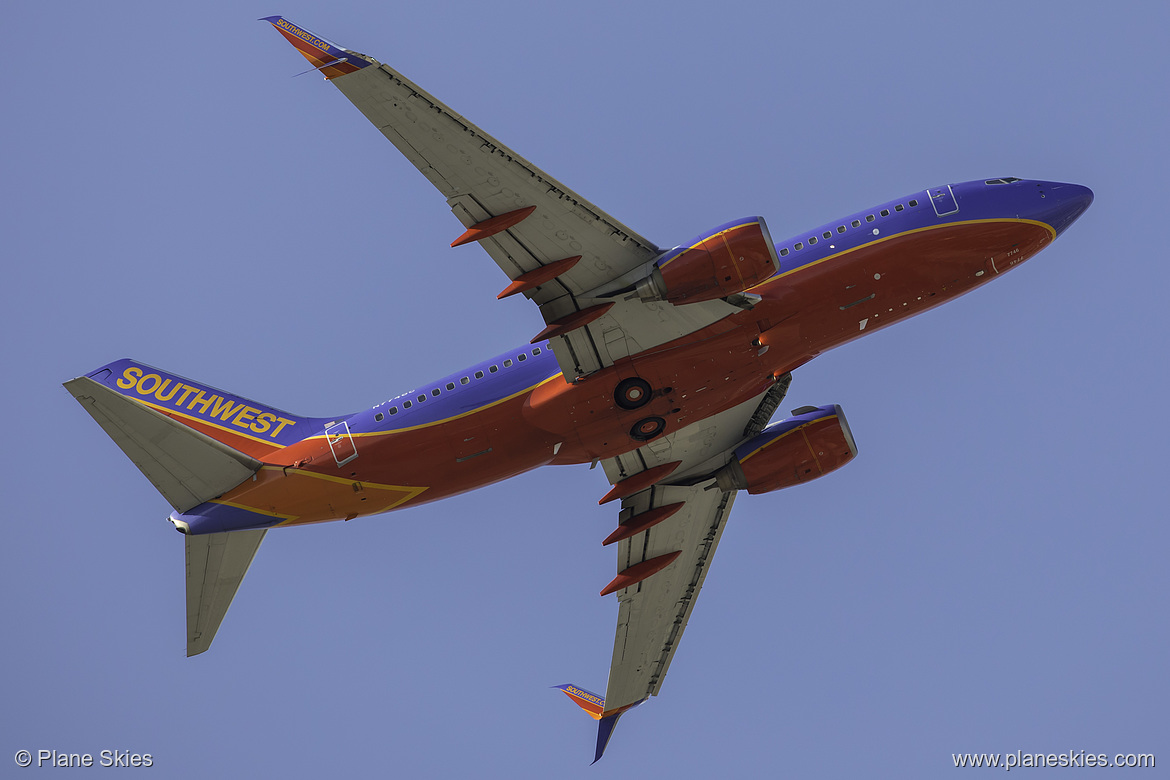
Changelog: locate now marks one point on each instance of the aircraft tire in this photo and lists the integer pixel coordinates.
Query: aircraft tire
(632, 393)
(647, 428)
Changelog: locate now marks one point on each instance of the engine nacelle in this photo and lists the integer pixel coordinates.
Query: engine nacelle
(791, 451)
(726, 261)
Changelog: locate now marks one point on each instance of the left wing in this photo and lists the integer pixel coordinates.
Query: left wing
(560, 250)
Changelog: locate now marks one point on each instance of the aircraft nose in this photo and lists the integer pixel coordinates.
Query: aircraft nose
(1063, 204)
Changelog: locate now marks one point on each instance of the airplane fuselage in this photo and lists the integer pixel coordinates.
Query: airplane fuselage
(516, 412)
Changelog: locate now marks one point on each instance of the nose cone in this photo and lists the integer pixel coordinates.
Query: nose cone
(1061, 204)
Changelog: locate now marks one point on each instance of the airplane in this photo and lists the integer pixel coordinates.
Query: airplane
(664, 366)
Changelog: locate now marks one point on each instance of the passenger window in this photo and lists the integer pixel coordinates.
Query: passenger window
(869, 217)
(827, 234)
(899, 207)
(464, 381)
(479, 375)
(885, 212)
(422, 398)
(507, 363)
(406, 404)
(536, 351)
(840, 228)
(493, 369)
(379, 417)
(435, 392)
(913, 203)
(784, 252)
(812, 240)
(393, 410)
(450, 385)
(522, 356)
(799, 246)
(856, 223)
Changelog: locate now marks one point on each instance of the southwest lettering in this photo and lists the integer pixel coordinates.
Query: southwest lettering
(205, 403)
(159, 393)
(187, 390)
(130, 378)
(223, 409)
(244, 417)
(263, 422)
(201, 402)
(149, 378)
(283, 422)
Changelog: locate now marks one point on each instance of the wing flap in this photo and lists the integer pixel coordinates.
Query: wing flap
(216, 565)
(186, 466)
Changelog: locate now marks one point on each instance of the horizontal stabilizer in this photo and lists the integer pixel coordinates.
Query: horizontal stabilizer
(186, 466)
(216, 565)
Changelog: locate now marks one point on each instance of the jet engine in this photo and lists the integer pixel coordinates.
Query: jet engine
(788, 452)
(726, 261)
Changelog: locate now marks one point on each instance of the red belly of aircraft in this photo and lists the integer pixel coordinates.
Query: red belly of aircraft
(803, 313)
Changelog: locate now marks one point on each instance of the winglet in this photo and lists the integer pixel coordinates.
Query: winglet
(605, 728)
(586, 700)
(331, 60)
(595, 706)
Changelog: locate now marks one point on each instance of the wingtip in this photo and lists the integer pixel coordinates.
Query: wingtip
(605, 728)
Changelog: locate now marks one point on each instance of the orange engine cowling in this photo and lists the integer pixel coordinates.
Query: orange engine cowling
(728, 260)
(791, 451)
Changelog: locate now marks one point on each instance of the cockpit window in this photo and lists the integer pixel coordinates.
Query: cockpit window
(1008, 180)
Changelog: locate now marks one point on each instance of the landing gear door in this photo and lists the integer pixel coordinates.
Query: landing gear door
(341, 443)
(943, 200)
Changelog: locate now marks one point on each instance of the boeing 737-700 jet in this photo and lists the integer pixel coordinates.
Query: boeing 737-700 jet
(664, 365)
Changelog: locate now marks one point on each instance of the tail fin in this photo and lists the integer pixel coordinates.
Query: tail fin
(193, 443)
(243, 425)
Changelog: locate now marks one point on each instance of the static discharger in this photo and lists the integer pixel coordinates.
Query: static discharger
(640, 481)
(538, 276)
(489, 227)
(639, 572)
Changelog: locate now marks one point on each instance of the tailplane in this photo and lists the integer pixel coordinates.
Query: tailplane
(194, 443)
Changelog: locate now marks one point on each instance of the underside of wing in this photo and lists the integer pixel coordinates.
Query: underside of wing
(653, 612)
(672, 518)
(558, 249)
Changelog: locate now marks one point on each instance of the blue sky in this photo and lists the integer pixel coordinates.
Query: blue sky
(988, 576)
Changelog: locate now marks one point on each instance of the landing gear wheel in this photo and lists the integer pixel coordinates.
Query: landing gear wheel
(647, 428)
(632, 393)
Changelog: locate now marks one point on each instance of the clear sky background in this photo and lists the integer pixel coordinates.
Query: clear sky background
(989, 575)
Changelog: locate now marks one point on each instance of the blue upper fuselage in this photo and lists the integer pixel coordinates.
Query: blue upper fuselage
(1052, 203)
